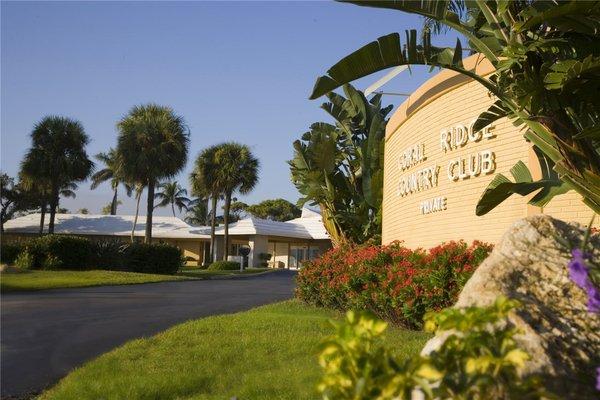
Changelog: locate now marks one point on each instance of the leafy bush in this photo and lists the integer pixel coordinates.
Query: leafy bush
(9, 252)
(393, 282)
(55, 251)
(108, 254)
(264, 259)
(24, 260)
(155, 258)
(479, 359)
(224, 266)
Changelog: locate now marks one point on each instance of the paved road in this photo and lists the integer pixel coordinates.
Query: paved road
(46, 334)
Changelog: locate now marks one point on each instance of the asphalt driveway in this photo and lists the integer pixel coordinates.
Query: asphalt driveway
(46, 334)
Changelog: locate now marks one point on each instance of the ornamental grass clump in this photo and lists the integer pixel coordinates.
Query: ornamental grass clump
(393, 282)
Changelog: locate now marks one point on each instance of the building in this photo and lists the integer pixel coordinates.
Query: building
(289, 243)
(436, 167)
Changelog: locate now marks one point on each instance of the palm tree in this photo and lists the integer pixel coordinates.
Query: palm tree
(38, 190)
(205, 183)
(173, 194)
(152, 145)
(139, 189)
(237, 170)
(56, 159)
(110, 173)
(197, 213)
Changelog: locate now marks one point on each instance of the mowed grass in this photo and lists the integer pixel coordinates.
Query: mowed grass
(269, 352)
(39, 280)
(204, 273)
(17, 281)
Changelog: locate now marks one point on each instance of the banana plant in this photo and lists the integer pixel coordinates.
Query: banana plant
(501, 188)
(547, 75)
(339, 167)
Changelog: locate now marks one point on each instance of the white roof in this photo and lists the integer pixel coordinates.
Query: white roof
(109, 225)
(308, 226)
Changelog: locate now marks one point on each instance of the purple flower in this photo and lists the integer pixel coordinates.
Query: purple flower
(598, 378)
(593, 298)
(578, 271)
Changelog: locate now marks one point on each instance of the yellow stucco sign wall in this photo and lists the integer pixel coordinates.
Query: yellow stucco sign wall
(437, 166)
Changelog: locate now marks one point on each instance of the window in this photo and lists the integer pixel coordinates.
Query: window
(235, 249)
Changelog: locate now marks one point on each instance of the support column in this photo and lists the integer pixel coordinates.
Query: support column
(258, 244)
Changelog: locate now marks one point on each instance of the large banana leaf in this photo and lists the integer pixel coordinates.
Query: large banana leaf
(501, 188)
(491, 115)
(387, 52)
(426, 8)
(568, 71)
(575, 16)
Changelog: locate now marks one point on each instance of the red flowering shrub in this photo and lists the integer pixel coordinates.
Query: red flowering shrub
(394, 282)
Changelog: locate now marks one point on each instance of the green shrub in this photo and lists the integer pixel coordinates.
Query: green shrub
(393, 282)
(155, 258)
(108, 254)
(56, 251)
(25, 260)
(9, 252)
(264, 259)
(224, 266)
(479, 359)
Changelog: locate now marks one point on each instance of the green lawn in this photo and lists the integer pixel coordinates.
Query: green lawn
(39, 280)
(265, 353)
(203, 273)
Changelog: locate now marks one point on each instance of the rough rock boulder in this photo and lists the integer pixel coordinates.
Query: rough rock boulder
(530, 265)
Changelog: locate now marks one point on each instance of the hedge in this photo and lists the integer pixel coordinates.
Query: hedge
(9, 252)
(224, 266)
(395, 283)
(155, 258)
(79, 253)
(55, 252)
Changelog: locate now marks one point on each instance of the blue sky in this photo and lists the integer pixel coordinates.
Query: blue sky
(237, 71)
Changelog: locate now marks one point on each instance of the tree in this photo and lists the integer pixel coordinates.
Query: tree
(38, 191)
(197, 212)
(56, 159)
(83, 211)
(108, 209)
(13, 199)
(68, 190)
(547, 79)
(237, 171)
(8, 195)
(139, 189)
(205, 183)
(275, 210)
(152, 145)
(340, 167)
(173, 194)
(110, 172)
(237, 209)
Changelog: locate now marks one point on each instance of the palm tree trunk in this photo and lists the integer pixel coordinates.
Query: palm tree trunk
(53, 205)
(226, 222)
(149, 211)
(213, 224)
(113, 205)
(138, 196)
(173, 208)
(42, 217)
